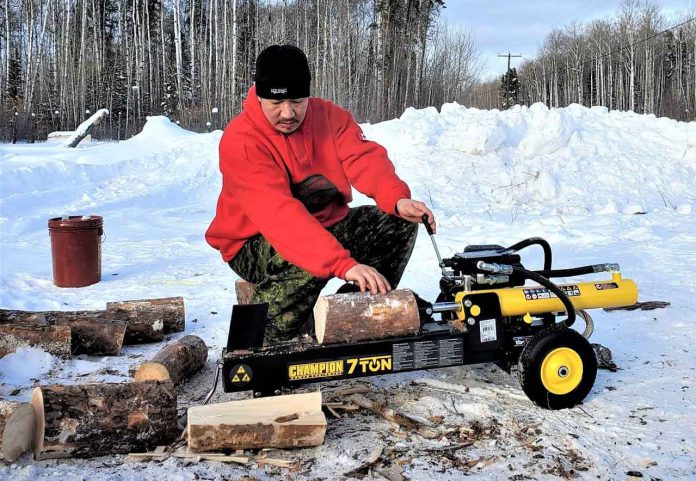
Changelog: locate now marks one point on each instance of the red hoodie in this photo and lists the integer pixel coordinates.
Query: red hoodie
(259, 164)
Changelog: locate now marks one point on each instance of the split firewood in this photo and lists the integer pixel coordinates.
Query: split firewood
(403, 420)
(191, 456)
(98, 419)
(362, 316)
(332, 411)
(52, 339)
(175, 362)
(278, 463)
(342, 406)
(17, 429)
(252, 423)
(167, 313)
(383, 410)
(643, 306)
(92, 332)
(245, 291)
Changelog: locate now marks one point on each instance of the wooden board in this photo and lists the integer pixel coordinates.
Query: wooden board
(294, 420)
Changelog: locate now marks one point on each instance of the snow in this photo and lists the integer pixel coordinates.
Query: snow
(599, 185)
(27, 363)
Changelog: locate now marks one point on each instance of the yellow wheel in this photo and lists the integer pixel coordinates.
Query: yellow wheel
(557, 368)
(561, 370)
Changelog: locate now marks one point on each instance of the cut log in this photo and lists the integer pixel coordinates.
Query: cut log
(93, 335)
(175, 362)
(92, 332)
(363, 316)
(252, 423)
(98, 419)
(17, 429)
(52, 339)
(95, 332)
(245, 291)
(169, 312)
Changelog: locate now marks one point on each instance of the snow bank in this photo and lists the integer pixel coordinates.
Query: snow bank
(568, 160)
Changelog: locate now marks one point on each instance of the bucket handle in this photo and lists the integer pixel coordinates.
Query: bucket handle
(102, 234)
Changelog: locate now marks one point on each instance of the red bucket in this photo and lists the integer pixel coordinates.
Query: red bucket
(76, 249)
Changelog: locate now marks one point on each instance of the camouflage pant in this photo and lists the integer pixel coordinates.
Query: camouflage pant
(382, 241)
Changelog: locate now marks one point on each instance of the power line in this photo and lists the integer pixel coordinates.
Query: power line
(621, 48)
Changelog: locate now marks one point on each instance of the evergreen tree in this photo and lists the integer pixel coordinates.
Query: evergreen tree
(509, 88)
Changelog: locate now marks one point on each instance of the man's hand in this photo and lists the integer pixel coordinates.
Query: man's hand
(413, 210)
(368, 278)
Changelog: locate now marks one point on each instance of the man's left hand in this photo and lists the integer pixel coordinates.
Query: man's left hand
(413, 210)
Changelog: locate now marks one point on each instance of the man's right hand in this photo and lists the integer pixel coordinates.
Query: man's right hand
(368, 278)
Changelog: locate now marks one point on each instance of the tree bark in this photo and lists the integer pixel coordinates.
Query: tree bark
(363, 316)
(176, 362)
(294, 420)
(97, 333)
(98, 419)
(17, 429)
(52, 339)
(169, 310)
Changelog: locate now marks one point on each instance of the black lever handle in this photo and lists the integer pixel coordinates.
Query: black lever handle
(426, 223)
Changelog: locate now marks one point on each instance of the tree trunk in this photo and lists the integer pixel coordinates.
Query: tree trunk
(99, 419)
(363, 316)
(17, 429)
(92, 332)
(167, 311)
(294, 420)
(176, 362)
(52, 339)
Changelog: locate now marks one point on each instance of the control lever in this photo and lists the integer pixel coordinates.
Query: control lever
(426, 223)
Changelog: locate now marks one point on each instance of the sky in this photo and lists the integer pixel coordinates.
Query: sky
(520, 27)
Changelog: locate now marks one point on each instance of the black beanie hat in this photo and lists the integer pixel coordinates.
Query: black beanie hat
(282, 72)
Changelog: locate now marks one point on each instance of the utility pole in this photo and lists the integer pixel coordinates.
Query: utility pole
(507, 73)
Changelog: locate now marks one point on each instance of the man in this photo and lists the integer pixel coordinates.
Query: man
(282, 221)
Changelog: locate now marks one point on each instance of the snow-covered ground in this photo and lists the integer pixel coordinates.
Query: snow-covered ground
(599, 186)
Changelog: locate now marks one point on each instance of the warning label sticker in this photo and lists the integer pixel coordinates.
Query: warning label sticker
(606, 285)
(241, 374)
(487, 330)
(544, 293)
(427, 354)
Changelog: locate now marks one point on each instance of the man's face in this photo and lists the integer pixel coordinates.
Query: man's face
(285, 116)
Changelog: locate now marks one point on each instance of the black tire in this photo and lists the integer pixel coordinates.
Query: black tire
(572, 383)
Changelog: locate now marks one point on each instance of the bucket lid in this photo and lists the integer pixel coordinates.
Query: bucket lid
(76, 222)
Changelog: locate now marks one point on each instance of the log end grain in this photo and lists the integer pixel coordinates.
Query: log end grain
(17, 428)
(151, 371)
